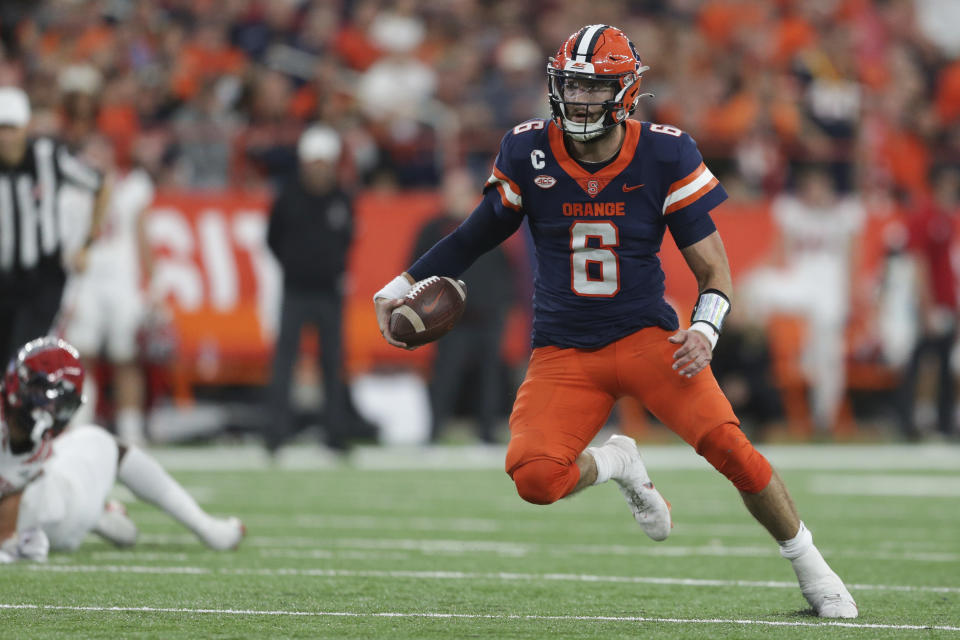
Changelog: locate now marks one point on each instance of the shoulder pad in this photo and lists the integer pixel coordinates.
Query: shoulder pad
(532, 129)
(517, 144)
(668, 141)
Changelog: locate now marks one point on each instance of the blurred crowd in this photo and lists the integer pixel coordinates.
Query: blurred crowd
(836, 112)
(214, 94)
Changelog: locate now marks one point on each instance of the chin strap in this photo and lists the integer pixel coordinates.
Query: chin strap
(42, 422)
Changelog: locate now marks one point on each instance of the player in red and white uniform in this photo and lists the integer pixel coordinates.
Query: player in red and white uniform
(105, 303)
(818, 236)
(599, 191)
(54, 480)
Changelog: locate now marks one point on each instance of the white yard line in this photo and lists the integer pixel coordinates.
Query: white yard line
(478, 616)
(308, 544)
(250, 457)
(464, 575)
(748, 532)
(915, 486)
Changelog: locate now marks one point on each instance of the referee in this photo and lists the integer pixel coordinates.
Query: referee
(32, 227)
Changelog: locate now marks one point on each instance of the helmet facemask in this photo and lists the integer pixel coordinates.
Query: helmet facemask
(587, 104)
(50, 404)
(42, 388)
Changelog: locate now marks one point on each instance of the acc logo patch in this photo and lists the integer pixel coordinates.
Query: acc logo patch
(544, 181)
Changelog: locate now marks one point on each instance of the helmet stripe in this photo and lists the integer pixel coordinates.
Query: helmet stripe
(587, 41)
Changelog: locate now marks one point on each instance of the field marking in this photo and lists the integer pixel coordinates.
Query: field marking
(481, 616)
(678, 552)
(474, 525)
(252, 457)
(740, 532)
(463, 575)
(126, 555)
(324, 554)
(522, 549)
(914, 486)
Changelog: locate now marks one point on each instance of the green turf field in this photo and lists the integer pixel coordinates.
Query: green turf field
(339, 551)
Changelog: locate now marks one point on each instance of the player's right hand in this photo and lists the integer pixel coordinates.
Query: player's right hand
(384, 307)
(33, 544)
(694, 354)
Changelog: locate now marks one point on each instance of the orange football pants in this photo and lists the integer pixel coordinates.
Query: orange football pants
(567, 396)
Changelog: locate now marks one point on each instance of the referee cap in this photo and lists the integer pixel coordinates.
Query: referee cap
(14, 107)
(319, 142)
(80, 78)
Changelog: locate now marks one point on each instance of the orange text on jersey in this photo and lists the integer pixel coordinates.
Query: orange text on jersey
(594, 208)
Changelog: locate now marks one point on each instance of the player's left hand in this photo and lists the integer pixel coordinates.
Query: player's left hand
(694, 353)
(79, 260)
(28, 544)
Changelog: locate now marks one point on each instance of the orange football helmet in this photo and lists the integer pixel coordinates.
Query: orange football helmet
(597, 59)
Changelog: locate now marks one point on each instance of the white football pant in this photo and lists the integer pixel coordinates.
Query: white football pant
(104, 314)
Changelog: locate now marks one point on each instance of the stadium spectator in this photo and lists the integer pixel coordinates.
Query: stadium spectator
(826, 87)
(408, 124)
(932, 233)
(864, 84)
(34, 231)
(80, 87)
(474, 348)
(204, 130)
(267, 146)
(55, 480)
(811, 276)
(602, 328)
(309, 232)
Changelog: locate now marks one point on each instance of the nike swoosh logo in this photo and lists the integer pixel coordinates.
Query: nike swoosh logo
(430, 306)
(627, 189)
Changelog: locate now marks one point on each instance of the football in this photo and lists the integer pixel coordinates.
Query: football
(430, 310)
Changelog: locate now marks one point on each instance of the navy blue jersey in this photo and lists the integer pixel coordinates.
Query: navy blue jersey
(596, 235)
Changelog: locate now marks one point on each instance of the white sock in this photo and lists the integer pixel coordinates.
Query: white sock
(608, 463)
(151, 483)
(798, 545)
(130, 426)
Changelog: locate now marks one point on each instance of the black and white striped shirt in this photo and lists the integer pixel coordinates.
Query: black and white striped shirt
(31, 228)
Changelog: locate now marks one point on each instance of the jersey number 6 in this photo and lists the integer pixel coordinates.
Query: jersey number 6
(582, 281)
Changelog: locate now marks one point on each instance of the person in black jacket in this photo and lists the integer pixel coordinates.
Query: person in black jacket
(35, 234)
(309, 232)
(474, 348)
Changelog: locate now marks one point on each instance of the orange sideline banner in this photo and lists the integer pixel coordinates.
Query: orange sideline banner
(217, 275)
(221, 282)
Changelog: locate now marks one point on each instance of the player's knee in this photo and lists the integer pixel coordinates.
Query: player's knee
(543, 481)
(732, 454)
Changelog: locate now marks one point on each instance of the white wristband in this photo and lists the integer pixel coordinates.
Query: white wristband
(712, 307)
(707, 330)
(396, 288)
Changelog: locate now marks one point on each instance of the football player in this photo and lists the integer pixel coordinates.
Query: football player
(54, 480)
(598, 191)
(105, 306)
